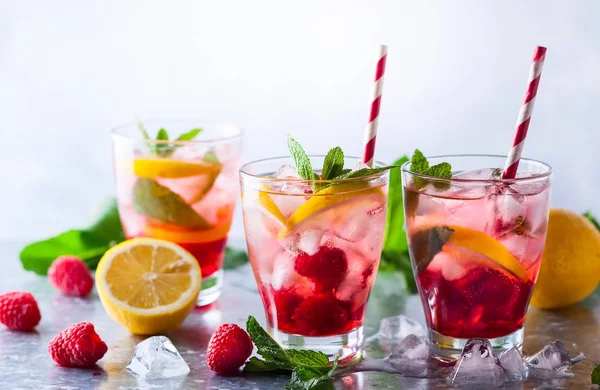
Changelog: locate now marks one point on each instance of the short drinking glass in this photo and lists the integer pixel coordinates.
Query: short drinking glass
(314, 247)
(476, 244)
(183, 191)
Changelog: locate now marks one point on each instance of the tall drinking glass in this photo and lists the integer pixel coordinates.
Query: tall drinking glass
(476, 244)
(314, 246)
(182, 191)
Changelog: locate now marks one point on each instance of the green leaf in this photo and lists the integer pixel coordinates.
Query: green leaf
(303, 165)
(333, 165)
(418, 163)
(596, 375)
(234, 258)
(160, 203)
(189, 135)
(108, 226)
(308, 358)
(306, 378)
(267, 347)
(38, 256)
(211, 158)
(399, 262)
(258, 365)
(364, 172)
(395, 236)
(594, 221)
(162, 135)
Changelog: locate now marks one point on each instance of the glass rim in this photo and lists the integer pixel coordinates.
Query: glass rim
(243, 171)
(114, 132)
(547, 173)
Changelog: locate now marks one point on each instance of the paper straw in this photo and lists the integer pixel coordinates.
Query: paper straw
(514, 155)
(371, 129)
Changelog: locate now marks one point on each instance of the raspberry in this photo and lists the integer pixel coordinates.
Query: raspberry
(77, 346)
(70, 276)
(228, 349)
(325, 269)
(320, 315)
(19, 311)
(281, 305)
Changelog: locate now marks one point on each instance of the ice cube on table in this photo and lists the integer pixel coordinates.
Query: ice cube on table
(410, 357)
(512, 362)
(157, 358)
(393, 330)
(477, 364)
(552, 362)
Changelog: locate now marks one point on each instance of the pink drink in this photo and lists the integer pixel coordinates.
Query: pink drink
(314, 255)
(476, 244)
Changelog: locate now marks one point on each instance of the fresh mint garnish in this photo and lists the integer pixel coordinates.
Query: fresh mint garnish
(419, 164)
(303, 165)
(596, 375)
(310, 369)
(90, 244)
(160, 203)
(333, 164)
(165, 149)
(594, 221)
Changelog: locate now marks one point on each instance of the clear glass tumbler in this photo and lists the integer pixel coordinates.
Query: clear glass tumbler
(476, 244)
(183, 191)
(314, 247)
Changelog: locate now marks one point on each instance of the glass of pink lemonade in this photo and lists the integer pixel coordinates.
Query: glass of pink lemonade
(314, 248)
(183, 191)
(476, 243)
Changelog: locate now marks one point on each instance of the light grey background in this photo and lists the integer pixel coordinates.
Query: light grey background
(456, 74)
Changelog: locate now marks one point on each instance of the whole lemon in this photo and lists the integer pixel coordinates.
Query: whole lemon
(570, 268)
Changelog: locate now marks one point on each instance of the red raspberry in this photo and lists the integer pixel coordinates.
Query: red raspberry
(77, 346)
(325, 269)
(70, 276)
(320, 315)
(19, 311)
(228, 349)
(280, 305)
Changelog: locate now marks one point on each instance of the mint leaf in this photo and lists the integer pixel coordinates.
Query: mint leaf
(160, 203)
(303, 165)
(143, 129)
(593, 220)
(333, 165)
(395, 236)
(87, 244)
(189, 135)
(255, 364)
(211, 158)
(364, 172)
(418, 163)
(441, 170)
(596, 375)
(306, 378)
(162, 135)
(234, 258)
(308, 358)
(267, 347)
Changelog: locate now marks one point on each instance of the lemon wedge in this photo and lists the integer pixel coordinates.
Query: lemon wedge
(152, 168)
(334, 198)
(149, 286)
(432, 239)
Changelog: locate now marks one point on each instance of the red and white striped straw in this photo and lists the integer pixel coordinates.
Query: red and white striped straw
(371, 129)
(514, 155)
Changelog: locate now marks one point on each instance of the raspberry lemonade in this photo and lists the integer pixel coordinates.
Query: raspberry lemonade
(181, 190)
(314, 246)
(476, 244)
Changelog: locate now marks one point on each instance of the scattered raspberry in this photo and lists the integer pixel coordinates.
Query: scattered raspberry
(320, 315)
(77, 346)
(325, 269)
(19, 311)
(228, 349)
(70, 275)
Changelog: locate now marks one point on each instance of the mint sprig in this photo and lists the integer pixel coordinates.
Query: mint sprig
(596, 375)
(419, 164)
(333, 164)
(165, 149)
(303, 165)
(310, 369)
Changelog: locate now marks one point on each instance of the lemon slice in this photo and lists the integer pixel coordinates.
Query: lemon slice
(153, 168)
(269, 205)
(337, 198)
(186, 236)
(432, 239)
(149, 286)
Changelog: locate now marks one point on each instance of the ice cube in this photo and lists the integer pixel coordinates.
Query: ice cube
(157, 358)
(393, 330)
(477, 364)
(480, 174)
(552, 362)
(410, 356)
(310, 241)
(512, 362)
(286, 172)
